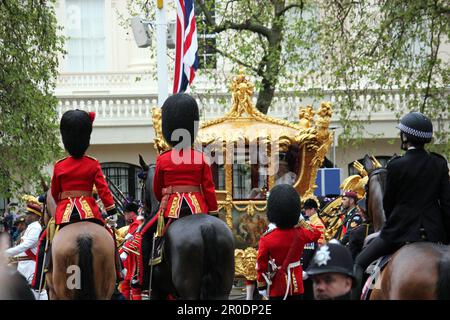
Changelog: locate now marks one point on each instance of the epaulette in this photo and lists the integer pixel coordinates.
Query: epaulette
(269, 230)
(91, 158)
(61, 159)
(438, 155)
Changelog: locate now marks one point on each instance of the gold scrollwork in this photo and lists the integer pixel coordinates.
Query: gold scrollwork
(245, 263)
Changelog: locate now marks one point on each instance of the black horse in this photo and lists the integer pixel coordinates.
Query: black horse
(198, 254)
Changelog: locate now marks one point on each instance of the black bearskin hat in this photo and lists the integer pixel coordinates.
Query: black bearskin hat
(310, 204)
(131, 207)
(180, 111)
(283, 206)
(416, 127)
(76, 129)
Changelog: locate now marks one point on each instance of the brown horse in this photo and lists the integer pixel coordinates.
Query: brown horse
(417, 271)
(83, 261)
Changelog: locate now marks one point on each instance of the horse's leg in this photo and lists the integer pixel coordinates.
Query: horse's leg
(61, 262)
(103, 265)
(380, 282)
(51, 292)
(186, 267)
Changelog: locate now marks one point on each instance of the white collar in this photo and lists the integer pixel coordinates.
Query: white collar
(411, 148)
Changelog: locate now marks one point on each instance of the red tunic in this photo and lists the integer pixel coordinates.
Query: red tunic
(133, 226)
(81, 174)
(174, 168)
(275, 244)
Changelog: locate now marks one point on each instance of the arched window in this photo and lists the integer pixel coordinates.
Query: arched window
(125, 177)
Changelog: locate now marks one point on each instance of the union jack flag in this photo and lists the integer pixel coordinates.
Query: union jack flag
(186, 59)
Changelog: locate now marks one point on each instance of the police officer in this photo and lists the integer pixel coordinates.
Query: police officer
(417, 196)
(331, 272)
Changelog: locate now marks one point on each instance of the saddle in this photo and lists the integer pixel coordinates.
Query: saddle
(374, 270)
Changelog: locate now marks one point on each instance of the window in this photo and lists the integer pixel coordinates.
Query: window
(248, 178)
(86, 35)
(383, 160)
(206, 40)
(125, 177)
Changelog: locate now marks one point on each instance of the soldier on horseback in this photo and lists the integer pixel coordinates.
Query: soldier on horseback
(417, 196)
(74, 178)
(183, 181)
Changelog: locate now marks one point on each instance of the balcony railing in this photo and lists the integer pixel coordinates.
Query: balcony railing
(127, 99)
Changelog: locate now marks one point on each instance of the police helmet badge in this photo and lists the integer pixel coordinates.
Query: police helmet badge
(322, 256)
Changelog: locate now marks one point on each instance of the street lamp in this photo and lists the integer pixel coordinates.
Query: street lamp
(143, 39)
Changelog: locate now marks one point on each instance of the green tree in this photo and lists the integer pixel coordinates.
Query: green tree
(351, 48)
(29, 49)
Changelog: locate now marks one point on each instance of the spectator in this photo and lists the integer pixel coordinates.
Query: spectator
(332, 272)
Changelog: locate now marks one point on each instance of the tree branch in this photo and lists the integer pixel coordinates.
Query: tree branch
(229, 56)
(288, 7)
(247, 25)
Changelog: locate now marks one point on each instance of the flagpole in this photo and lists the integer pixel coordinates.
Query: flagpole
(161, 52)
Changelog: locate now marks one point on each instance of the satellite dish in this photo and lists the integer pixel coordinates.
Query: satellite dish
(141, 32)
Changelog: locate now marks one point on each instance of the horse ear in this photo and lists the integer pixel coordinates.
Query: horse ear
(368, 164)
(144, 166)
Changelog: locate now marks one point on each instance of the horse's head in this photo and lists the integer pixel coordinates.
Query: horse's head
(375, 189)
(151, 204)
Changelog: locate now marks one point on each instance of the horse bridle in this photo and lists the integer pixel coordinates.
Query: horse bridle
(372, 174)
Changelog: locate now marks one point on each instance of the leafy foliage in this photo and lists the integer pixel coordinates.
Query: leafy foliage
(29, 49)
(374, 55)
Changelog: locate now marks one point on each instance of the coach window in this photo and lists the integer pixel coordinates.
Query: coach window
(125, 177)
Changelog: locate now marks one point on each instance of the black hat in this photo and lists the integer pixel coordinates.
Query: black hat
(331, 257)
(180, 111)
(19, 219)
(76, 128)
(131, 207)
(416, 127)
(283, 206)
(310, 204)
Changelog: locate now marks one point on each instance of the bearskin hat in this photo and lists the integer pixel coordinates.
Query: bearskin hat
(283, 206)
(131, 207)
(310, 204)
(180, 111)
(76, 129)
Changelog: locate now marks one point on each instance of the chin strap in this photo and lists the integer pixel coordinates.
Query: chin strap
(404, 141)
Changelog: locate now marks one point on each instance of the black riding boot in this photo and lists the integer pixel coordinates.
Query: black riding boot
(358, 273)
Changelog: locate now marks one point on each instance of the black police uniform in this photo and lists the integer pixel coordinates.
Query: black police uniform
(416, 204)
(357, 237)
(417, 197)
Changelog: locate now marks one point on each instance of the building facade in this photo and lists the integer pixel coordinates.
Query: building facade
(104, 71)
